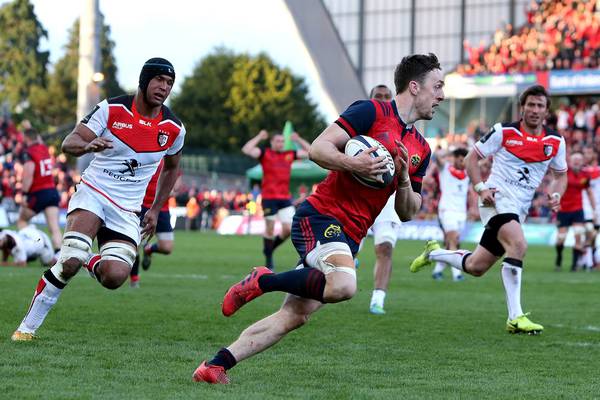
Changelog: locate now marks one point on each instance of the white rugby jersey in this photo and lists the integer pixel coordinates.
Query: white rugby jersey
(25, 246)
(454, 188)
(594, 172)
(521, 160)
(121, 174)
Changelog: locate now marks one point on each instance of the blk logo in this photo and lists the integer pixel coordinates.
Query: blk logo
(524, 175)
(131, 165)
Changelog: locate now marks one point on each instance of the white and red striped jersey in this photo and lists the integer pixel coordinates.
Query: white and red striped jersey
(121, 174)
(521, 160)
(454, 188)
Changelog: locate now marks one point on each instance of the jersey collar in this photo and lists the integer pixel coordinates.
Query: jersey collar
(138, 116)
(407, 128)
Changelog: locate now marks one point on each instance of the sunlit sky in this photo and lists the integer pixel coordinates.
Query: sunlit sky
(185, 31)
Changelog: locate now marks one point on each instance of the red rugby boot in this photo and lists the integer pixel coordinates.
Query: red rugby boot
(241, 293)
(210, 374)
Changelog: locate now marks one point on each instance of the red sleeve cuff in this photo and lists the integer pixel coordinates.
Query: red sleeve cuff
(345, 125)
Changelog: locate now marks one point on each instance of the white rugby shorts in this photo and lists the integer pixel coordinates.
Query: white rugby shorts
(113, 217)
(452, 220)
(504, 205)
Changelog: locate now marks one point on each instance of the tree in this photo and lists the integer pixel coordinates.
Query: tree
(230, 97)
(22, 64)
(56, 104)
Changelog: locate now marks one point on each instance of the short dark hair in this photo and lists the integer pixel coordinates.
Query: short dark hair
(460, 152)
(414, 68)
(535, 90)
(381, 86)
(31, 133)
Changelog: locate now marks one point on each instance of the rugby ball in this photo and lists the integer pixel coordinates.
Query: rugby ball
(360, 143)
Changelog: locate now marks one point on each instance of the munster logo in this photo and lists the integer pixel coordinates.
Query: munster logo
(162, 138)
(415, 159)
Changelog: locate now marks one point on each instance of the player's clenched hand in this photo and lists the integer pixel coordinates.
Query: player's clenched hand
(366, 165)
(554, 201)
(149, 224)
(487, 197)
(401, 161)
(98, 144)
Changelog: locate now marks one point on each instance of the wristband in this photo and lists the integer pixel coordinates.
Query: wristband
(479, 187)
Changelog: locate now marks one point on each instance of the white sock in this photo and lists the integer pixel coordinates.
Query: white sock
(511, 277)
(378, 297)
(439, 268)
(456, 273)
(46, 295)
(454, 258)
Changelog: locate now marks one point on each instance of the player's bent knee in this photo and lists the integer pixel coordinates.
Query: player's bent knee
(74, 251)
(114, 274)
(384, 250)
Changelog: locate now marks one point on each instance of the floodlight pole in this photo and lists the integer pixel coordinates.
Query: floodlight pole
(88, 88)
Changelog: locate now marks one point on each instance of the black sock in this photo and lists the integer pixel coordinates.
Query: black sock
(224, 359)
(559, 250)
(135, 270)
(576, 255)
(277, 241)
(267, 246)
(304, 282)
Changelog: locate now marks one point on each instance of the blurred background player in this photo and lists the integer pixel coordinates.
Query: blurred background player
(28, 244)
(523, 151)
(571, 211)
(590, 214)
(164, 231)
(129, 135)
(385, 233)
(331, 222)
(39, 189)
(452, 208)
(276, 197)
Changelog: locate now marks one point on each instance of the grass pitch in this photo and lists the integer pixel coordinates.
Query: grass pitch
(438, 339)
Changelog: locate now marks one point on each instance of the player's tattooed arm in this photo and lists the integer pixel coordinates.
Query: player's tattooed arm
(327, 150)
(82, 140)
(251, 148)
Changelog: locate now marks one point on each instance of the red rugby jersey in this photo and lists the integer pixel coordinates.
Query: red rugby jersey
(42, 173)
(341, 196)
(277, 170)
(572, 200)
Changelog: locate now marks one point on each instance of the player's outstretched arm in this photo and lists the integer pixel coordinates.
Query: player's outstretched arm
(327, 151)
(166, 180)
(251, 148)
(302, 153)
(83, 140)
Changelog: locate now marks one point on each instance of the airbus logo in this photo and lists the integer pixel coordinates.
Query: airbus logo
(514, 142)
(121, 125)
(145, 123)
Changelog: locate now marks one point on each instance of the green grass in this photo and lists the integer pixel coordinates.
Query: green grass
(438, 339)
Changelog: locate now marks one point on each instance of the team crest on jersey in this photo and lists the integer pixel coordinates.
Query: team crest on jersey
(415, 159)
(332, 230)
(289, 158)
(547, 150)
(162, 138)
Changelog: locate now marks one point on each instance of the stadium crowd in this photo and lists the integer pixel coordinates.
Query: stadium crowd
(561, 34)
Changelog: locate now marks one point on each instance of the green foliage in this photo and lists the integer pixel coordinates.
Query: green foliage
(230, 97)
(57, 103)
(22, 64)
(438, 340)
